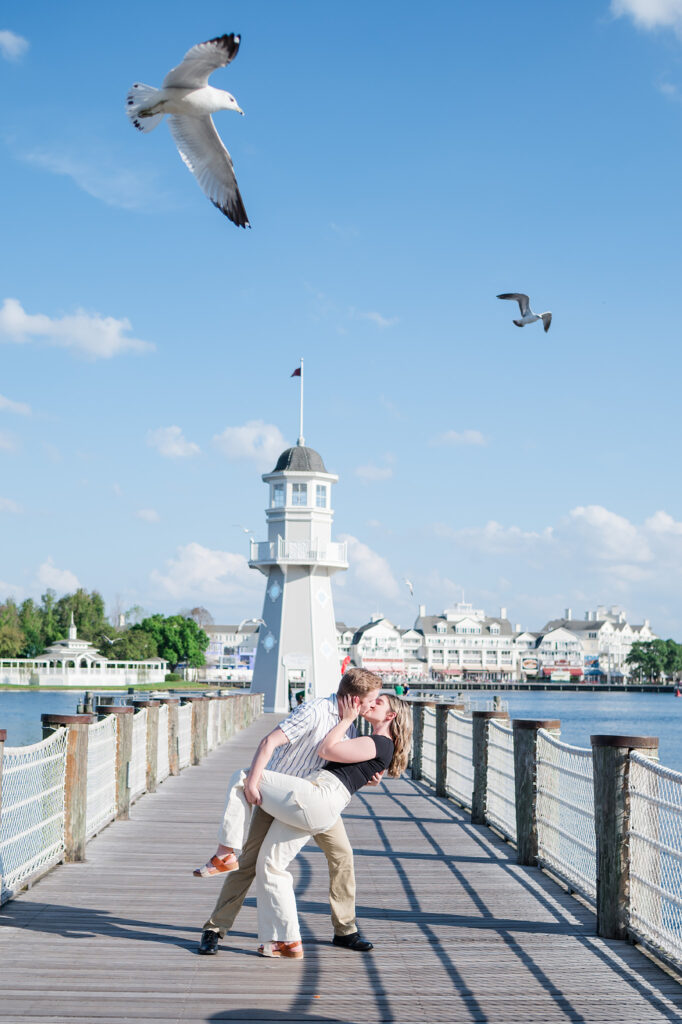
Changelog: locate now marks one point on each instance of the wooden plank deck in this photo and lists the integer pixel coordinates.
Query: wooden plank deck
(462, 933)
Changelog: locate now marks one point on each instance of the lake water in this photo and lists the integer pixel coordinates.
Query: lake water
(641, 714)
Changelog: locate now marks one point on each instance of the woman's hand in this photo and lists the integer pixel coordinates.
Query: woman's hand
(252, 792)
(348, 708)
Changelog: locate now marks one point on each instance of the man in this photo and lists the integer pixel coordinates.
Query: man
(292, 748)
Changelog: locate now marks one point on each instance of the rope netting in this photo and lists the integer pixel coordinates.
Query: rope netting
(184, 735)
(101, 785)
(565, 813)
(501, 794)
(32, 816)
(429, 746)
(656, 854)
(137, 777)
(162, 762)
(460, 775)
(213, 724)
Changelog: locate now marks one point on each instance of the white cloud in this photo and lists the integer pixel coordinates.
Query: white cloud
(61, 580)
(262, 442)
(374, 472)
(370, 570)
(7, 443)
(88, 334)
(606, 535)
(493, 538)
(21, 408)
(117, 186)
(12, 46)
(7, 505)
(148, 515)
(650, 14)
(170, 442)
(201, 572)
(474, 437)
(375, 318)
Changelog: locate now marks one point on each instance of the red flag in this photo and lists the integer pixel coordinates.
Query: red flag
(297, 372)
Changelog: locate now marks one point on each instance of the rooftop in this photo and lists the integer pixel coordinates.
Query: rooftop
(300, 458)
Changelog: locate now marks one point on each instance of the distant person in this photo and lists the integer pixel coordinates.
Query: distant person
(406, 690)
(292, 748)
(300, 697)
(399, 689)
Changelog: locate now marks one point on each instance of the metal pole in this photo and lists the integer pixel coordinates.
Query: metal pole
(301, 439)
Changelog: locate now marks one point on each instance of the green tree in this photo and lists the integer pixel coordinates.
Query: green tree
(51, 630)
(127, 645)
(12, 637)
(88, 614)
(31, 621)
(177, 639)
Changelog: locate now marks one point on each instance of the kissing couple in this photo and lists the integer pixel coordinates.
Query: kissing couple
(302, 777)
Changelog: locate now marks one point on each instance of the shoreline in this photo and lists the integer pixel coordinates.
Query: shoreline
(550, 687)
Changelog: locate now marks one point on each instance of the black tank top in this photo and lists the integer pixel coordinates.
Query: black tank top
(356, 775)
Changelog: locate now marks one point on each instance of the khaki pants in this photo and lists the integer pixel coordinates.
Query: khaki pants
(336, 848)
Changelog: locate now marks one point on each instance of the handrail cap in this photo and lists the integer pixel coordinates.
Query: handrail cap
(490, 714)
(3, 735)
(114, 709)
(536, 723)
(649, 742)
(48, 719)
(145, 703)
(168, 700)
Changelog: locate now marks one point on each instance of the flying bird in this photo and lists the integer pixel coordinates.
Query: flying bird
(244, 529)
(189, 100)
(527, 314)
(408, 583)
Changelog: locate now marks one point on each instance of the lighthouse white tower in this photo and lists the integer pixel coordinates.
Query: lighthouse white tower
(297, 641)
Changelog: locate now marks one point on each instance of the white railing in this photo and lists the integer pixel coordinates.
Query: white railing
(501, 794)
(460, 774)
(565, 813)
(162, 759)
(137, 777)
(101, 787)
(184, 735)
(281, 550)
(429, 746)
(32, 810)
(655, 838)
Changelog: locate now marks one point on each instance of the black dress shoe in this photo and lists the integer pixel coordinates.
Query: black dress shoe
(209, 942)
(354, 942)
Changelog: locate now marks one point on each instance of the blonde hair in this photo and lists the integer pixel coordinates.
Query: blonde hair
(358, 682)
(401, 734)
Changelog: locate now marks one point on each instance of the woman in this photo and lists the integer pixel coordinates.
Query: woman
(303, 807)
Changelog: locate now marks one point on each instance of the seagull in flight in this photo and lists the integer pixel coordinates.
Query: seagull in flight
(189, 100)
(527, 314)
(408, 584)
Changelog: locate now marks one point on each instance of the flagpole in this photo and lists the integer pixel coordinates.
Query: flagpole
(301, 439)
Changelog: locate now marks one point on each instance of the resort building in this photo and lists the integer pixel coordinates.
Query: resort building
(463, 641)
(231, 652)
(74, 662)
(606, 639)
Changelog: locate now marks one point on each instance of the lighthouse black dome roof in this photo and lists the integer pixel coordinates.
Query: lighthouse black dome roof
(306, 460)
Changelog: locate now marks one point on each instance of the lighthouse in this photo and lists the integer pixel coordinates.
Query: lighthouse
(297, 647)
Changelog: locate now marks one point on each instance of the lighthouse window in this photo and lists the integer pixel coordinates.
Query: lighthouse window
(299, 494)
(321, 496)
(277, 495)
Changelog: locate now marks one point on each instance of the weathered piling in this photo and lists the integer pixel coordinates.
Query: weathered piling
(199, 727)
(75, 779)
(611, 762)
(479, 734)
(418, 707)
(124, 752)
(173, 703)
(152, 707)
(526, 783)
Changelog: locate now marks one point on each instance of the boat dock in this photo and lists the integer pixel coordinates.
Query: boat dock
(461, 931)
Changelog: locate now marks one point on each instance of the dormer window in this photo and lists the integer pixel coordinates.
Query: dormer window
(440, 628)
(321, 495)
(495, 630)
(278, 495)
(299, 494)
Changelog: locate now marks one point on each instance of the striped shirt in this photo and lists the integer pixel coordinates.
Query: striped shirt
(305, 728)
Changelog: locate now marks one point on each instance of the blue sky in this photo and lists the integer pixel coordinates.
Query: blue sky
(399, 168)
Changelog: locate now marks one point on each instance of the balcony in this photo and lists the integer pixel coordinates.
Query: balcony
(297, 552)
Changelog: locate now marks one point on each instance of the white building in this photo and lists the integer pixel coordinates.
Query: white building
(231, 652)
(606, 638)
(465, 642)
(297, 646)
(74, 662)
(377, 646)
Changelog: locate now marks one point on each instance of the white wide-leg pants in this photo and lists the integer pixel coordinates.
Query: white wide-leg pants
(301, 808)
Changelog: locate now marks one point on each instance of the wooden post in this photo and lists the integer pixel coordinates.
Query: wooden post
(417, 738)
(525, 784)
(479, 796)
(442, 711)
(199, 727)
(611, 761)
(152, 707)
(75, 780)
(173, 704)
(124, 752)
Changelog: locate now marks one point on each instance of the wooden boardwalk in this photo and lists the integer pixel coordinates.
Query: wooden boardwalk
(462, 933)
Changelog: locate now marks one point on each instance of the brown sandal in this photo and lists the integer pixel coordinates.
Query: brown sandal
(217, 866)
(289, 950)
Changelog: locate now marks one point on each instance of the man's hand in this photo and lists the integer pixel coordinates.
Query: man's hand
(348, 708)
(376, 779)
(251, 792)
